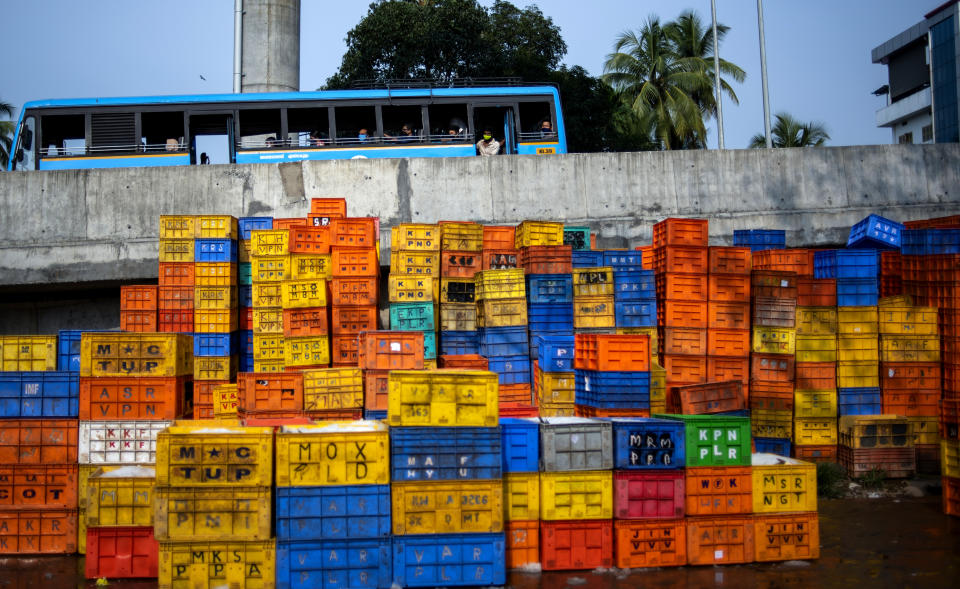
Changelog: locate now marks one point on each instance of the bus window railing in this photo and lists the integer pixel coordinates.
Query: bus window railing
(524, 137)
(353, 142)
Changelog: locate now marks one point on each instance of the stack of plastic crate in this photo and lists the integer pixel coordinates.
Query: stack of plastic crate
(680, 263)
(213, 498)
(138, 308)
(446, 478)
(728, 315)
(379, 353)
(461, 250)
(502, 318)
(38, 448)
(270, 264)
(550, 295)
(772, 356)
(891, 274)
(870, 444)
(306, 341)
(245, 226)
(176, 273)
(612, 375)
(760, 239)
(415, 282)
(355, 279)
(520, 443)
(554, 378)
(649, 498)
(333, 505)
(594, 310)
(331, 394)
(576, 493)
(785, 520)
(910, 373)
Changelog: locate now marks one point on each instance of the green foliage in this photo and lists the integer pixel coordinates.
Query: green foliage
(830, 480)
(6, 134)
(790, 132)
(874, 479)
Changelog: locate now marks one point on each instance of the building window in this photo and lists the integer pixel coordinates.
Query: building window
(905, 139)
(945, 81)
(927, 133)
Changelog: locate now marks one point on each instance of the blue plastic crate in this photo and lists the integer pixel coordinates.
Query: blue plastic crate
(550, 317)
(760, 239)
(634, 285)
(248, 224)
(373, 414)
(246, 364)
(412, 316)
(210, 249)
(357, 563)
(444, 453)
(511, 369)
(504, 341)
(521, 444)
(245, 346)
(635, 313)
(875, 231)
(922, 242)
(859, 401)
(857, 292)
(216, 344)
(612, 390)
(778, 446)
(245, 296)
(456, 343)
(641, 443)
(555, 353)
(587, 259)
(68, 348)
(623, 260)
(862, 263)
(40, 394)
(446, 560)
(332, 512)
(550, 288)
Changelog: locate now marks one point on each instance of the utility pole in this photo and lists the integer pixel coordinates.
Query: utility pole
(716, 75)
(237, 45)
(763, 77)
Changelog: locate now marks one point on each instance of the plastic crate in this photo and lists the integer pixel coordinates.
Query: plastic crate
(857, 292)
(332, 512)
(504, 341)
(588, 259)
(875, 232)
(555, 353)
(520, 443)
(422, 507)
(353, 562)
(422, 398)
(454, 560)
(121, 553)
(215, 250)
(568, 444)
(719, 491)
(846, 264)
(646, 443)
(39, 394)
(445, 453)
(573, 545)
(714, 440)
(459, 342)
(612, 390)
(634, 285)
(549, 288)
(648, 495)
(550, 317)
(760, 239)
(511, 369)
(635, 313)
(412, 316)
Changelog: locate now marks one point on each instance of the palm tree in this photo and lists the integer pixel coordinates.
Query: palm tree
(6, 134)
(789, 132)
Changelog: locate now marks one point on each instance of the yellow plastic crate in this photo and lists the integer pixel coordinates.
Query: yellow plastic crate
(858, 348)
(858, 374)
(267, 295)
(858, 320)
(215, 274)
(228, 513)
(816, 321)
(237, 565)
(417, 263)
(950, 458)
(925, 430)
(816, 348)
(267, 321)
(908, 320)
(462, 289)
(121, 496)
(443, 398)
(500, 284)
(458, 316)
(429, 363)
(332, 388)
(177, 250)
(815, 431)
(556, 387)
(593, 312)
(588, 282)
(215, 368)
(538, 233)
(774, 340)
(269, 242)
(521, 496)
(215, 320)
(268, 366)
(771, 423)
(558, 410)
(30, 353)
(502, 312)
(461, 237)
(268, 346)
(910, 348)
(658, 388)
(222, 298)
(783, 488)
(875, 431)
(447, 507)
(270, 268)
(244, 252)
(178, 227)
(576, 495)
(333, 453)
(311, 350)
(304, 294)
(418, 237)
(225, 401)
(217, 226)
(307, 266)
(410, 289)
(135, 354)
(214, 454)
(815, 403)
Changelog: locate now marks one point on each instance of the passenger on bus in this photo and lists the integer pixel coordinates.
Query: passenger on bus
(362, 135)
(172, 144)
(272, 142)
(451, 135)
(546, 130)
(488, 145)
(406, 135)
(315, 140)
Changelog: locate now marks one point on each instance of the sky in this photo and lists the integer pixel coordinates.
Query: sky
(818, 51)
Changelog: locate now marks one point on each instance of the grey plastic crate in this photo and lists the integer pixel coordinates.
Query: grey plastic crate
(575, 443)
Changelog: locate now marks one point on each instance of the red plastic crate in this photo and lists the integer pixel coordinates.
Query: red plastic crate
(711, 397)
(729, 260)
(547, 259)
(951, 496)
(173, 298)
(657, 494)
(137, 297)
(676, 231)
(576, 545)
(139, 321)
(816, 292)
(460, 264)
(894, 462)
(650, 543)
(121, 553)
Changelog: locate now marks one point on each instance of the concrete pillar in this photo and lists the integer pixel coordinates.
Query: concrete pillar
(271, 46)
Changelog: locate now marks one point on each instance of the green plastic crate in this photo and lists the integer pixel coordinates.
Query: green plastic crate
(715, 440)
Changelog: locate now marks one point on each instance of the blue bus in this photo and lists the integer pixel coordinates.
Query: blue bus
(390, 122)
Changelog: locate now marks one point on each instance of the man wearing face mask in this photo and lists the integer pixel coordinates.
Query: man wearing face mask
(362, 135)
(488, 145)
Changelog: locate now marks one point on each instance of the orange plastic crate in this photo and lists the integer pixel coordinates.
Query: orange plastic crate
(38, 486)
(728, 342)
(38, 441)
(951, 496)
(46, 531)
(464, 361)
(304, 322)
(353, 261)
(455, 264)
(611, 352)
(676, 231)
(202, 411)
(720, 368)
(772, 367)
(678, 313)
(816, 292)
(685, 369)
(734, 288)
(773, 278)
(786, 536)
(575, 545)
(353, 319)
(647, 257)
(816, 376)
(134, 398)
(547, 259)
(175, 297)
(684, 340)
(719, 490)
(723, 315)
(650, 543)
(687, 287)
(729, 260)
(951, 222)
(376, 388)
(345, 349)
(720, 540)
(330, 208)
(771, 396)
(711, 397)
(799, 261)
(263, 394)
(679, 258)
(138, 321)
(175, 321)
(523, 543)
(498, 237)
(310, 240)
(137, 297)
(176, 274)
(391, 350)
(361, 290)
(501, 259)
(515, 395)
(354, 232)
(203, 391)
(586, 411)
(816, 453)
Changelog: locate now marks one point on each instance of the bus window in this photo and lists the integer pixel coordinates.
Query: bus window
(445, 118)
(157, 127)
(23, 159)
(351, 119)
(260, 128)
(397, 118)
(532, 117)
(112, 132)
(308, 127)
(63, 135)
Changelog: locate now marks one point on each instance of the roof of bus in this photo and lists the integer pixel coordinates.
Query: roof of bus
(293, 96)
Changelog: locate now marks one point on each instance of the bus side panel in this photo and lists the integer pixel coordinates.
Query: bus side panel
(540, 148)
(117, 161)
(267, 157)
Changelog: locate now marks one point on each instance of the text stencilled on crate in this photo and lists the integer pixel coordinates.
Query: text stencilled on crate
(190, 455)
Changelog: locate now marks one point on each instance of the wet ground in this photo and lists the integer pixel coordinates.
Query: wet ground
(864, 544)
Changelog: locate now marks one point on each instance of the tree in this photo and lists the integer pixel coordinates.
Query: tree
(6, 134)
(528, 44)
(789, 132)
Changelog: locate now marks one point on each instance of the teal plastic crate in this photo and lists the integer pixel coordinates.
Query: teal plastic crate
(412, 317)
(577, 238)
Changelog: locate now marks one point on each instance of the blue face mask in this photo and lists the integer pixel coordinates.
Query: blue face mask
(362, 136)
